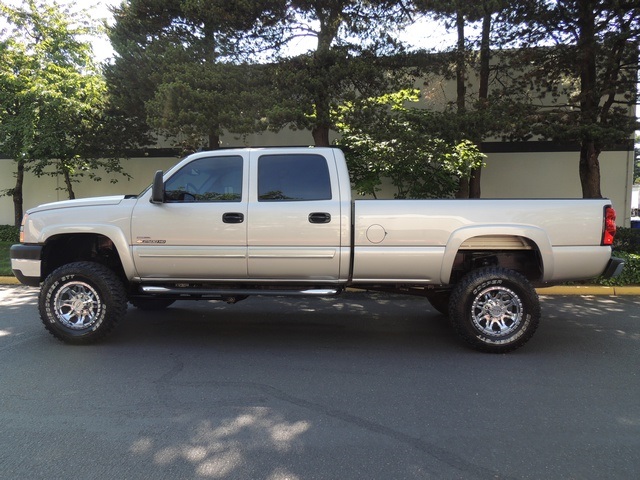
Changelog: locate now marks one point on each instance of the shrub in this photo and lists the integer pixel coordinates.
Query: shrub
(630, 273)
(627, 240)
(9, 233)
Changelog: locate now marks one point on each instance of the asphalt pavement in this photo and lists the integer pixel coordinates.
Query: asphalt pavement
(362, 386)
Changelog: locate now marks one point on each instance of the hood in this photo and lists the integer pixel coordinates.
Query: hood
(81, 202)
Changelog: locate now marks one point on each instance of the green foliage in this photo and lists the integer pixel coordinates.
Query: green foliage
(9, 233)
(52, 94)
(586, 76)
(385, 139)
(5, 261)
(630, 273)
(626, 246)
(627, 240)
(180, 68)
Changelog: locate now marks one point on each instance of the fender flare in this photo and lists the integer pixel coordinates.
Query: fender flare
(113, 233)
(534, 234)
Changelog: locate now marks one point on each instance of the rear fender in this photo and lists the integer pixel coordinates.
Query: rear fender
(535, 235)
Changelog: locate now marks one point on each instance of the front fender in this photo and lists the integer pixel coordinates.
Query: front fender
(113, 233)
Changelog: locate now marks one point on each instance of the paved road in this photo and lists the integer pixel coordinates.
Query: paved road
(358, 387)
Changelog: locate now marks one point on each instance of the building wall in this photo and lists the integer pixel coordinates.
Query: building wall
(507, 175)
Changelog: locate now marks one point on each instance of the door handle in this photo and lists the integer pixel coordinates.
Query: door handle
(319, 217)
(233, 217)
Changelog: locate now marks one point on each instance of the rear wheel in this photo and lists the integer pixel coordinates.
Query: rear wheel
(495, 309)
(82, 302)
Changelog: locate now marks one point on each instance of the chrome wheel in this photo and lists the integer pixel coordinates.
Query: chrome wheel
(82, 302)
(77, 305)
(496, 311)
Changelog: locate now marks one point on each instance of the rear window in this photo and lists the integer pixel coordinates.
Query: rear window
(291, 178)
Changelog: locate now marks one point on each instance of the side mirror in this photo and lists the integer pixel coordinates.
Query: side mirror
(157, 190)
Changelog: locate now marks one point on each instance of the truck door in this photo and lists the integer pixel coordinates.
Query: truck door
(200, 231)
(294, 210)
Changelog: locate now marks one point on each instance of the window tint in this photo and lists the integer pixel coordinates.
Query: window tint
(214, 179)
(293, 178)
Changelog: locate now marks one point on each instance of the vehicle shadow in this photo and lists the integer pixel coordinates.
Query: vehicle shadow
(355, 318)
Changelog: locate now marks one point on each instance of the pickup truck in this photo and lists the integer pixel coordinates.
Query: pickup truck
(226, 224)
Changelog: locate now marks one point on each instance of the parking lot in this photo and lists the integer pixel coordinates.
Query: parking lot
(363, 386)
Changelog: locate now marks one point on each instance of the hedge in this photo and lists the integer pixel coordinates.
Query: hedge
(9, 233)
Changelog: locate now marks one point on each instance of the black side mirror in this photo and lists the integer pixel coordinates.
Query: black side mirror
(157, 190)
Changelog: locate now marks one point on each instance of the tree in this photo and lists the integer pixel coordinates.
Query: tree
(180, 67)
(51, 95)
(386, 137)
(587, 70)
(353, 56)
(476, 116)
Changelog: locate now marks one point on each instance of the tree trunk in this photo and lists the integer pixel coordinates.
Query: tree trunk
(474, 183)
(463, 188)
(320, 136)
(214, 139)
(461, 89)
(589, 100)
(17, 195)
(590, 169)
(461, 86)
(483, 92)
(67, 182)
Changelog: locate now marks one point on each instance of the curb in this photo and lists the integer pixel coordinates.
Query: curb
(588, 290)
(557, 290)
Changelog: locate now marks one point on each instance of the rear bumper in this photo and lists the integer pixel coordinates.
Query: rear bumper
(614, 268)
(25, 263)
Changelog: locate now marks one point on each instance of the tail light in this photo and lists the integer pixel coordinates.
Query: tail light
(609, 231)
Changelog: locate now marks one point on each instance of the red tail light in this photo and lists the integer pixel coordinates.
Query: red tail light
(609, 225)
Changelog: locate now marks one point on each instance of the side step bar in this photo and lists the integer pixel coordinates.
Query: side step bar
(213, 292)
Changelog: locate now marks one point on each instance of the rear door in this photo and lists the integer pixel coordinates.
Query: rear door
(294, 210)
(200, 231)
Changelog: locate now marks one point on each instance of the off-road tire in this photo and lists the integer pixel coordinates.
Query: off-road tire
(494, 309)
(82, 302)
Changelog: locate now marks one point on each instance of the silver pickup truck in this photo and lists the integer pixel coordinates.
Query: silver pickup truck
(227, 224)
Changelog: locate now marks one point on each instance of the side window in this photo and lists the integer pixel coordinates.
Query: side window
(212, 179)
(295, 177)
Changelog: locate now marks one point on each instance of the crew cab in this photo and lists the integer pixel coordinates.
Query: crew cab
(227, 224)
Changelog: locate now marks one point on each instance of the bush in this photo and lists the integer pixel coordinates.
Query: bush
(630, 273)
(627, 240)
(9, 233)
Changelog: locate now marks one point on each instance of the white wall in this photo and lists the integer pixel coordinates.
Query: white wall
(507, 175)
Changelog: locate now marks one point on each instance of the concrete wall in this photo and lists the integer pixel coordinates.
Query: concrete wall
(507, 175)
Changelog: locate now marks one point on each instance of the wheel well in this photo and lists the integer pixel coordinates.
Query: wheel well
(63, 249)
(513, 252)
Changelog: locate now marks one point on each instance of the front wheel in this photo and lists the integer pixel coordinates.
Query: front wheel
(495, 309)
(82, 302)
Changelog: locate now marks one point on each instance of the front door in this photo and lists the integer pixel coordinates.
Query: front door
(200, 231)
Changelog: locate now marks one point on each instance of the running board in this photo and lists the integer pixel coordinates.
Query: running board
(186, 291)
